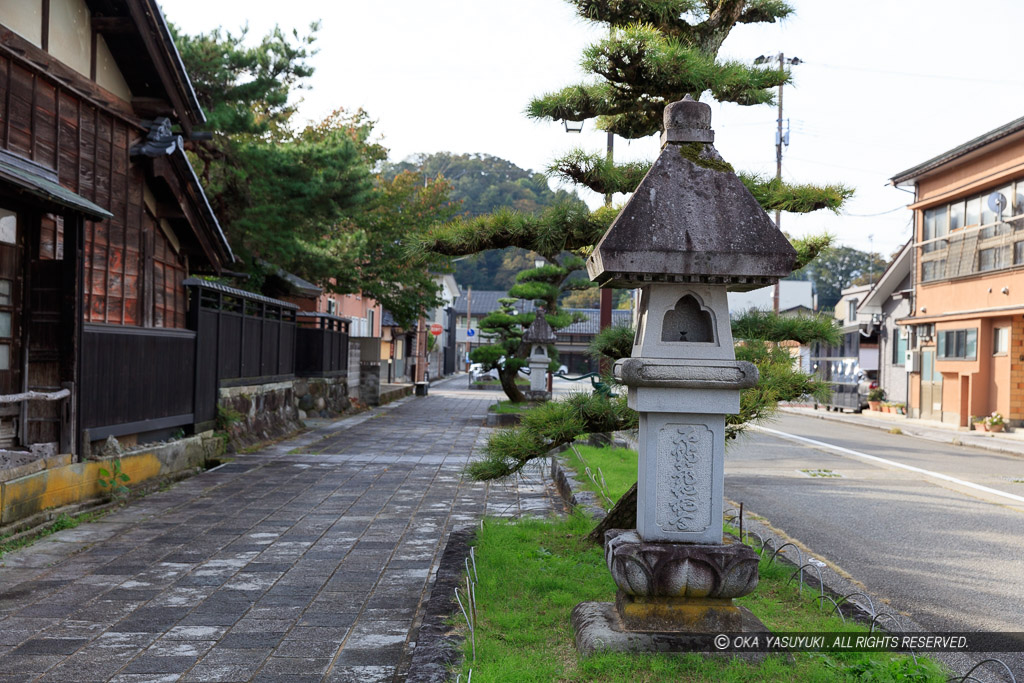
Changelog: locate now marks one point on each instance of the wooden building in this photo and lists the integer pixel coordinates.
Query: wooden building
(101, 220)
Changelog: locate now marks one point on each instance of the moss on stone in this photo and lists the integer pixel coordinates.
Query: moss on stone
(694, 152)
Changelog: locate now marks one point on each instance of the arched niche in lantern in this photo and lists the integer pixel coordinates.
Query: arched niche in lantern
(689, 321)
(669, 309)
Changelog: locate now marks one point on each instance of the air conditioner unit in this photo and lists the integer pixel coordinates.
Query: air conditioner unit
(912, 361)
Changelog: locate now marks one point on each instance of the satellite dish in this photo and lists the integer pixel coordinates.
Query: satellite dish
(997, 202)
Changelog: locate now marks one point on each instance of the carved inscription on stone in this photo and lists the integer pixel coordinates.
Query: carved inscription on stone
(684, 478)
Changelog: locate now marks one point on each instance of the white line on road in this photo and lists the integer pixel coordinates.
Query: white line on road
(858, 454)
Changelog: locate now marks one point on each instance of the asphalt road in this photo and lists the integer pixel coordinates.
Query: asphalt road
(949, 556)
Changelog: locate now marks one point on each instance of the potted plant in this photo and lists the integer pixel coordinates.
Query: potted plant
(901, 408)
(875, 398)
(994, 422)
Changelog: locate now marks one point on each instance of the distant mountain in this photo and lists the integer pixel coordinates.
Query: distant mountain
(481, 184)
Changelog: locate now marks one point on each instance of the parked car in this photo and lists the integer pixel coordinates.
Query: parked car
(866, 381)
(477, 372)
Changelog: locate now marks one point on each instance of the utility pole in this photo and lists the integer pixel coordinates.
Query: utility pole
(605, 311)
(780, 138)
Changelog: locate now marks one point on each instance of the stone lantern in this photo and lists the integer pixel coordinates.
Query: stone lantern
(690, 232)
(538, 335)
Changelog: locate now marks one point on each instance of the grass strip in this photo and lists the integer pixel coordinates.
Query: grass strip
(533, 572)
(508, 407)
(618, 465)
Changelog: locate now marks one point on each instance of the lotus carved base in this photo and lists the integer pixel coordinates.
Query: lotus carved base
(679, 586)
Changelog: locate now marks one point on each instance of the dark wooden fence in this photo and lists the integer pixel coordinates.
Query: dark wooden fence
(136, 379)
(321, 345)
(242, 338)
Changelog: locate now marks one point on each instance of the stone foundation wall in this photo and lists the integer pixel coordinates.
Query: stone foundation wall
(262, 412)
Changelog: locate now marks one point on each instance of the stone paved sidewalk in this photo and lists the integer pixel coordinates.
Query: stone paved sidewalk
(307, 561)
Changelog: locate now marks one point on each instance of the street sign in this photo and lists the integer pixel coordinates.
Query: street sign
(470, 332)
(436, 329)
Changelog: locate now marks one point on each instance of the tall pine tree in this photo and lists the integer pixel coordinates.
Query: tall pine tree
(656, 52)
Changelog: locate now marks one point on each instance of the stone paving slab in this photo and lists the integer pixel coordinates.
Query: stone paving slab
(310, 560)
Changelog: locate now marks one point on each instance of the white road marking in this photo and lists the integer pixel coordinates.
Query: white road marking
(891, 463)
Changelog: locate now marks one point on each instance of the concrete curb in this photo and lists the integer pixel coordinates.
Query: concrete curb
(572, 491)
(438, 647)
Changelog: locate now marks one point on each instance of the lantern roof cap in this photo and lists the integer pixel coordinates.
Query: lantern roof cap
(539, 331)
(691, 219)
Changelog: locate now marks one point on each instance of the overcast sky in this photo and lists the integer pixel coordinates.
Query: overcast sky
(884, 85)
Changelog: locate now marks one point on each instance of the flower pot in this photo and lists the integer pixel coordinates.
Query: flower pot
(874, 405)
(981, 426)
(995, 428)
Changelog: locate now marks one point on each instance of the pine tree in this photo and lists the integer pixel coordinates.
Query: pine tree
(657, 52)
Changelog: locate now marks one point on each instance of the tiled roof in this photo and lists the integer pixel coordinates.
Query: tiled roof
(484, 301)
(592, 325)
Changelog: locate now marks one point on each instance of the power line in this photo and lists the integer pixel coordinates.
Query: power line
(971, 79)
(872, 215)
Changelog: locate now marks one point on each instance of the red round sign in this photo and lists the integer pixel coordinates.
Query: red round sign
(436, 329)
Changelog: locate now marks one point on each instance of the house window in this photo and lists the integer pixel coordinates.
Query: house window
(993, 259)
(961, 233)
(1000, 341)
(936, 224)
(933, 270)
(899, 346)
(8, 227)
(958, 344)
(369, 323)
(1018, 253)
(851, 311)
(332, 307)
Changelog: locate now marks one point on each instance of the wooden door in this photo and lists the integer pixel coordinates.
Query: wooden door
(931, 387)
(11, 283)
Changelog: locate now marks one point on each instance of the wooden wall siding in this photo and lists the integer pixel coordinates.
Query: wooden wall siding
(89, 147)
(159, 392)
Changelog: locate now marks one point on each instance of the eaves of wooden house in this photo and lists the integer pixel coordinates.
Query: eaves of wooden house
(102, 219)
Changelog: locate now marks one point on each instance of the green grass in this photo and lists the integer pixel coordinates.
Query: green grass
(533, 572)
(618, 465)
(521, 381)
(61, 522)
(505, 407)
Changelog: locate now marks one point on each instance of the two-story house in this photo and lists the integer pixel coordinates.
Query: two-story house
(967, 321)
(101, 221)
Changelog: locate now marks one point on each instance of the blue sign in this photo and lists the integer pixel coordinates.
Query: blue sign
(470, 333)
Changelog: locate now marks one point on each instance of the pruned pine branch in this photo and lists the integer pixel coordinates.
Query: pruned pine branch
(764, 11)
(598, 173)
(642, 70)
(612, 343)
(808, 248)
(678, 17)
(775, 195)
(564, 227)
(780, 380)
(772, 327)
(550, 425)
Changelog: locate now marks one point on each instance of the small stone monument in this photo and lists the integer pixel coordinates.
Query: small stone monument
(689, 233)
(538, 335)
